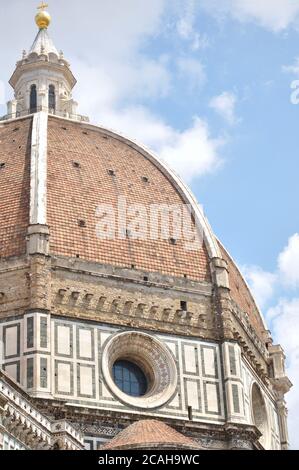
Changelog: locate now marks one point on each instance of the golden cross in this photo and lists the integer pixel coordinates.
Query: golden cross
(42, 6)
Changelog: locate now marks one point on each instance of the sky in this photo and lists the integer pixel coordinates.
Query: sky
(210, 86)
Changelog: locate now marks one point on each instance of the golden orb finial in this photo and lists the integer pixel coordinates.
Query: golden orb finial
(43, 18)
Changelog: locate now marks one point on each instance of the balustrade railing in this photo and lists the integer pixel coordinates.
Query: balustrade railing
(54, 112)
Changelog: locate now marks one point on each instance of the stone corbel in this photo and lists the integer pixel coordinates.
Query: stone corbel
(242, 437)
(38, 240)
(219, 270)
(222, 299)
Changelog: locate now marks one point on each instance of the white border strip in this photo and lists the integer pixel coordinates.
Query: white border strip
(38, 176)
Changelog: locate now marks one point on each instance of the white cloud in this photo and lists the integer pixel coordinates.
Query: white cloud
(275, 15)
(192, 152)
(117, 89)
(285, 326)
(192, 71)
(107, 84)
(261, 282)
(185, 23)
(294, 68)
(120, 79)
(224, 104)
(138, 123)
(186, 29)
(288, 262)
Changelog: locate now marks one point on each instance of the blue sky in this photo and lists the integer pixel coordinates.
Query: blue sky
(207, 85)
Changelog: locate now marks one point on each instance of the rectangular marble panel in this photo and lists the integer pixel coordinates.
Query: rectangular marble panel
(190, 359)
(43, 332)
(209, 364)
(64, 377)
(30, 332)
(85, 344)
(192, 394)
(12, 341)
(236, 398)
(212, 399)
(43, 372)
(232, 360)
(30, 370)
(86, 380)
(63, 340)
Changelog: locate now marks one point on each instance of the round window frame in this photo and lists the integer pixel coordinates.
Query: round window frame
(155, 360)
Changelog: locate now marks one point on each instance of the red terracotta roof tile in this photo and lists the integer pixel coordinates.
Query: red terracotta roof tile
(74, 193)
(15, 142)
(149, 434)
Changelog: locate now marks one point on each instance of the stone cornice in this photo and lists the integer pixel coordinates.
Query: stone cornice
(42, 63)
(246, 326)
(113, 273)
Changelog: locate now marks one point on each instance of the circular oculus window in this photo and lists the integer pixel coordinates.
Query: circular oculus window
(139, 370)
(129, 378)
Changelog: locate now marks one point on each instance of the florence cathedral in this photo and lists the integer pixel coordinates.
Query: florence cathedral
(117, 342)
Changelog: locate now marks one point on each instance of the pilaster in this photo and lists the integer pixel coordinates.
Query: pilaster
(283, 423)
(222, 301)
(281, 385)
(233, 382)
(37, 353)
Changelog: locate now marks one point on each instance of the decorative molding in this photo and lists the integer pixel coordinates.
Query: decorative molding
(153, 357)
(23, 420)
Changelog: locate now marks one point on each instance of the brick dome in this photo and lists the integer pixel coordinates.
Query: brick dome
(88, 166)
(85, 166)
(15, 149)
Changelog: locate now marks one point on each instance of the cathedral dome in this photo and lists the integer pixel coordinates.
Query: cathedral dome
(117, 300)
